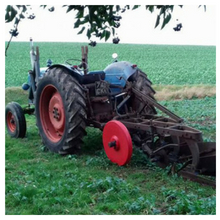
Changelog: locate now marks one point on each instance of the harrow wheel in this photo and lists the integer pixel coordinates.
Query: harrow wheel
(117, 142)
(15, 120)
(60, 111)
(189, 154)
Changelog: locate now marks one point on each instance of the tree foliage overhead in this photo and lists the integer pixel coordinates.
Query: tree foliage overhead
(100, 21)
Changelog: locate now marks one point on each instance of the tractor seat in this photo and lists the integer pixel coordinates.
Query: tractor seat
(96, 72)
(93, 76)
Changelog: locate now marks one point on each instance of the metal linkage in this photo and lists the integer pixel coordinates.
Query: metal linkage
(85, 59)
(148, 99)
(197, 178)
(162, 127)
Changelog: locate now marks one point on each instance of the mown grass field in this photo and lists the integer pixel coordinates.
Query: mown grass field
(40, 182)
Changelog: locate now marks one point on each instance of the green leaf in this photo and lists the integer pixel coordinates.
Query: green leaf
(69, 8)
(91, 12)
(93, 27)
(166, 20)
(103, 34)
(10, 13)
(97, 20)
(150, 8)
(113, 31)
(88, 34)
(157, 21)
(77, 23)
(107, 35)
(171, 7)
(21, 16)
(81, 31)
(80, 12)
(24, 8)
(135, 7)
(44, 6)
(17, 21)
(162, 10)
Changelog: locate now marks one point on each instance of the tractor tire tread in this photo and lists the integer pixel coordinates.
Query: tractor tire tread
(75, 110)
(18, 113)
(143, 84)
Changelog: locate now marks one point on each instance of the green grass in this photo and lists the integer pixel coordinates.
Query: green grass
(198, 113)
(168, 65)
(41, 183)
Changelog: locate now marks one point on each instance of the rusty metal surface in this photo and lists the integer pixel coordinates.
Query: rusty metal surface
(165, 139)
(148, 99)
(197, 178)
(163, 128)
(184, 144)
(207, 161)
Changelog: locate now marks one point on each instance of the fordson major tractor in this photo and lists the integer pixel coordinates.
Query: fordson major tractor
(119, 100)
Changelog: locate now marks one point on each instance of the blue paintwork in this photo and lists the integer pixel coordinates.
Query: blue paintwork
(27, 85)
(116, 73)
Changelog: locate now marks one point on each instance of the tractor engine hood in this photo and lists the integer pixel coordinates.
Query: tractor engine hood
(118, 73)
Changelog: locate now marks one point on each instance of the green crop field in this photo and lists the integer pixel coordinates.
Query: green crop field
(166, 65)
(40, 182)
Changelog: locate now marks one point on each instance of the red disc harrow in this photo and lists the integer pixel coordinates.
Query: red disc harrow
(117, 142)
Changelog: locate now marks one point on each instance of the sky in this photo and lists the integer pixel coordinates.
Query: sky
(137, 26)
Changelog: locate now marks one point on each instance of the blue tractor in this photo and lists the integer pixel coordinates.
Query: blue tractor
(119, 100)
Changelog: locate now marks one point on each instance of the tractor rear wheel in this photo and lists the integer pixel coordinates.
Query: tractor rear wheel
(15, 120)
(143, 84)
(60, 111)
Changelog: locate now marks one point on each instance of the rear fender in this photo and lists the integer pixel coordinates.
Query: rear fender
(72, 71)
(118, 73)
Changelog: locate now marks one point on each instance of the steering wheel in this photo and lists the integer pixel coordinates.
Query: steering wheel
(79, 67)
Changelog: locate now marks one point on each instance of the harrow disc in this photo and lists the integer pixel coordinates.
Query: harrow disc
(117, 142)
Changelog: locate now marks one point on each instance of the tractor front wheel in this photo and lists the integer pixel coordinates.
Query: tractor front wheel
(15, 120)
(60, 111)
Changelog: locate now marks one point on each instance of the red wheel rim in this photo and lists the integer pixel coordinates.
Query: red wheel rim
(117, 142)
(52, 114)
(11, 122)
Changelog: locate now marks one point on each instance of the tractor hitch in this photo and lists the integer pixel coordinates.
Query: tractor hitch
(169, 140)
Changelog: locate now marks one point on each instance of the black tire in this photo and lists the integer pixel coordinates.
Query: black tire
(143, 84)
(15, 120)
(63, 132)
